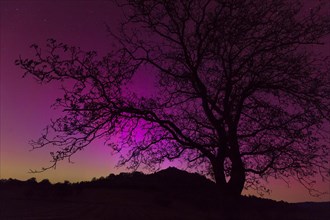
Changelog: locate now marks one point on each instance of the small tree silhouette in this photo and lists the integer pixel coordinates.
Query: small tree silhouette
(237, 92)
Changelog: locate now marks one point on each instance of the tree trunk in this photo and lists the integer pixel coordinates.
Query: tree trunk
(237, 177)
(229, 192)
(234, 187)
(219, 176)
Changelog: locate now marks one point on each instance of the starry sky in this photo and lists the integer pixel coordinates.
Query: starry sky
(25, 105)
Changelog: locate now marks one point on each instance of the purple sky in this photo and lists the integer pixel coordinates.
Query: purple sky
(25, 105)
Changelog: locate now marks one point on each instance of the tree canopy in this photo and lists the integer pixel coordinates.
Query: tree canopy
(238, 91)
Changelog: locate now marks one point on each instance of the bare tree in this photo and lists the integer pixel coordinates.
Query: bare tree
(238, 91)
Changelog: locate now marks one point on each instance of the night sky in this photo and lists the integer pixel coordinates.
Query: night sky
(25, 105)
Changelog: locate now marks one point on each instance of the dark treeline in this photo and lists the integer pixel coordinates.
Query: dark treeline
(168, 178)
(171, 179)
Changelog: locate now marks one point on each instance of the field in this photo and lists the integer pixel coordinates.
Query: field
(96, 204)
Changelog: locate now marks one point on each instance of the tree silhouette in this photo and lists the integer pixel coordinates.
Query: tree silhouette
(238, 92)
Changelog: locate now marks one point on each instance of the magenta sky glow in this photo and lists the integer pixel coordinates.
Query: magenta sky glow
(25, 105)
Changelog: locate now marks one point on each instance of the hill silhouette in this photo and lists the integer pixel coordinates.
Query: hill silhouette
(167, 194)
(170, 178)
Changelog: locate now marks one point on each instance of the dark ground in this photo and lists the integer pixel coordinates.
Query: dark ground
(166, 195)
